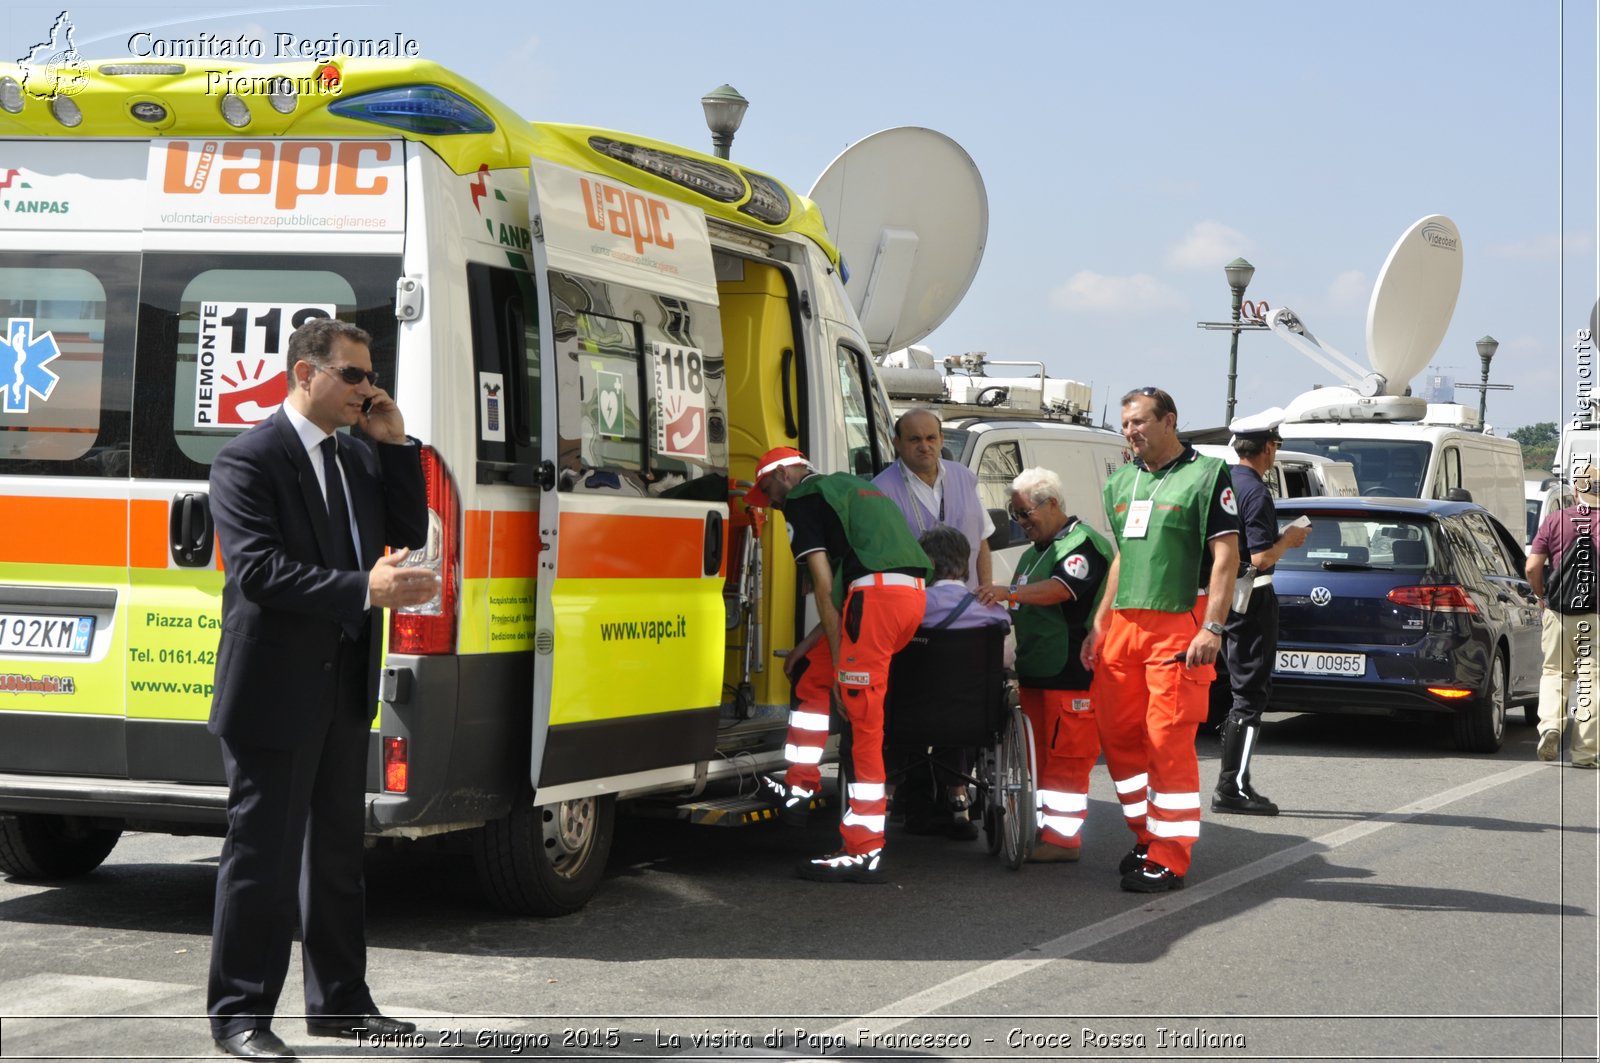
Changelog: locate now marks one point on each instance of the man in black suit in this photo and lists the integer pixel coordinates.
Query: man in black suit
(303, 514)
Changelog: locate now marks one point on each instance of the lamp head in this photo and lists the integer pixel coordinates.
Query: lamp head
(724, 109)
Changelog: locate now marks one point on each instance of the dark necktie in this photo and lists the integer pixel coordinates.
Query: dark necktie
(344, 548)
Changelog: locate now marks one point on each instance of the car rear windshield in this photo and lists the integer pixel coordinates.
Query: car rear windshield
(1384, 468)
(1358, 539)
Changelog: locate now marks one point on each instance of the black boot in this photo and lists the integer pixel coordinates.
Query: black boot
(1233, 793)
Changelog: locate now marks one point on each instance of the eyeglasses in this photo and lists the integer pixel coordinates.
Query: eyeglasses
(352, 374)
(1022, 514)
(1150, 393)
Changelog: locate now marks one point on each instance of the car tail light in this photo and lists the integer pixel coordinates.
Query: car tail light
(1448, 598)
(431, 628)
(396, 764)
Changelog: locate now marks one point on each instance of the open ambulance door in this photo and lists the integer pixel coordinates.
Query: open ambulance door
(630, 628)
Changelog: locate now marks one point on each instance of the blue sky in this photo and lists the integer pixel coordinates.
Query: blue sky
(1128, 152)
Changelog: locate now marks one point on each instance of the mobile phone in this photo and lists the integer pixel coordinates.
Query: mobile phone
(366, 407)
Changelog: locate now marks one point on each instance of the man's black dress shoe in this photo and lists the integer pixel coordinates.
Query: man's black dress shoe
(362, 1027)
(255, 1044)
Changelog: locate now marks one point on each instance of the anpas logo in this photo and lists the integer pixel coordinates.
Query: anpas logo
(1436, 235)
(26, 356)
(628, 214)
(54, 67)
(285, 170)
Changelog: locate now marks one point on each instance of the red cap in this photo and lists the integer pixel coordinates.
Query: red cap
(771, 462)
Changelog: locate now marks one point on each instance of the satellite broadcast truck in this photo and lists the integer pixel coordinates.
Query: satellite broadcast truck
(594, 335)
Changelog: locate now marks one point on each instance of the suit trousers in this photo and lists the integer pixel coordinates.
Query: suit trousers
(294, 852)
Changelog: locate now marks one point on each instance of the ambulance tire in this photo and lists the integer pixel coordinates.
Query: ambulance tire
(43, 848)
(546, 859)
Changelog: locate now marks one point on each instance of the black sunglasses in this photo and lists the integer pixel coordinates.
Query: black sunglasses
(351, 374)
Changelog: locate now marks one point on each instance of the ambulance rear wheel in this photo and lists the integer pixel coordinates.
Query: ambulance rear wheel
(51, 847)
(546, 859)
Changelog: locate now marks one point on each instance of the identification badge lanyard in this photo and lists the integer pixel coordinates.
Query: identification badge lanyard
(916, 504)
(1033, 563)
(1137, 522)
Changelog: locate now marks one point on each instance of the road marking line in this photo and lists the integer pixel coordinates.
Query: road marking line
(41, 1002)
(948, 992)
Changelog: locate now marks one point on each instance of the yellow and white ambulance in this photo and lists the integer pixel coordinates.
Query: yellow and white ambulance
(595, 335)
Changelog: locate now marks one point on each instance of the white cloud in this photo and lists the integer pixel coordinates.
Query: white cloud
(1350, 292)
(1088, 290)
(1550, 245)
(1209, 245)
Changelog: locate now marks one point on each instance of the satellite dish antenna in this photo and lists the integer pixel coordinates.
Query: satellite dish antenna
(1406, 320)
(908, 210)
(1413, 300)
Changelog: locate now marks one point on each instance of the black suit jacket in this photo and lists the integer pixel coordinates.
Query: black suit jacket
(284, 609)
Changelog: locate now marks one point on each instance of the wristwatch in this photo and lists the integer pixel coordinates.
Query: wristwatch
(1213, 627)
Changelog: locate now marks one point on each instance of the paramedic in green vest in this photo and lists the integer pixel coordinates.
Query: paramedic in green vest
(1054, 590)
(867, 575)
(1158, 631)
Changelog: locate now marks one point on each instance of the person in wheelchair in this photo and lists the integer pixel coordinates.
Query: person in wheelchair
(1057, 586)
(934, 799)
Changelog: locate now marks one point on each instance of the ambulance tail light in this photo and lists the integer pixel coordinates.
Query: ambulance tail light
(426, 109)
(431, 628)
(396, 765)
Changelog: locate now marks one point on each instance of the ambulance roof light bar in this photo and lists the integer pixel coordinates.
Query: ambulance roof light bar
(428, 109)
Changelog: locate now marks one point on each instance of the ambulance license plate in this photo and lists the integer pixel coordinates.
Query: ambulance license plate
(61, 636)
(1321, 662)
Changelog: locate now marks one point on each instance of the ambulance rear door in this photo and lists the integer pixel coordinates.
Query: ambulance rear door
(69, 273)
(631, 625)
(245, 240)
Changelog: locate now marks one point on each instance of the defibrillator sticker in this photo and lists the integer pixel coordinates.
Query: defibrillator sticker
(680, 421)
(491, 416)
(610, 404)
(240, 377)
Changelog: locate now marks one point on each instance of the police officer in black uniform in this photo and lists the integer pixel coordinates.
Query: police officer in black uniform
(1250, 641)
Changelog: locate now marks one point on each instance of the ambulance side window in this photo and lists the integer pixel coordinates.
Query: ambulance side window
(505, 346)
(66, 363)
(213, 344)
(865, 423)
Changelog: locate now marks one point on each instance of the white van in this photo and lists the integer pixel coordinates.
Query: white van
(998, 426)
(1295, 474)
(1429, 458)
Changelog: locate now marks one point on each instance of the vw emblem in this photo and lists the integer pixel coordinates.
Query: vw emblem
(1321, 596)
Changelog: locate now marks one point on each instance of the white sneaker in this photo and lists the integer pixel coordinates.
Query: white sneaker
(1549, 746)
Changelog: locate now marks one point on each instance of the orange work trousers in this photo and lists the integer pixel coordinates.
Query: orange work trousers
(877, 623)
(1066, 742)
(1149, 707)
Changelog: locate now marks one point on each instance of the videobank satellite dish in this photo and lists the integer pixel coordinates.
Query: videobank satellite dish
(1413, 300)
(909, 213)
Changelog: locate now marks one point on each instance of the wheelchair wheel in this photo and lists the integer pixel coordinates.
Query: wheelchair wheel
(1019, 818)
(989, 795)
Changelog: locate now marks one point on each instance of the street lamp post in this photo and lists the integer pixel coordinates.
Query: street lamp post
(1486, 348)
(724, 109)
(1239, 273)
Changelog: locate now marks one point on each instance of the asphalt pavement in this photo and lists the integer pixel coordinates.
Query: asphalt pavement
(1410, 902)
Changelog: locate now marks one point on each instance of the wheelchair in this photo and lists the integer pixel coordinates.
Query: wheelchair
(948, 689)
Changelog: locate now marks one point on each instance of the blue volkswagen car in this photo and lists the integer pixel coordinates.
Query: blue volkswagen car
(1410, 608)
